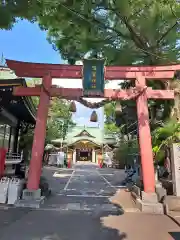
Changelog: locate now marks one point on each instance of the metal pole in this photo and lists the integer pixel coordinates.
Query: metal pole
(62, 135)
(103, 132)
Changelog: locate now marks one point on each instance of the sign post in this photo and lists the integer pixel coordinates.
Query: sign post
(93, 77)
(175, 151)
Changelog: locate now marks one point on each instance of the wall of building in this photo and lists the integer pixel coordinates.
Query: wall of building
(6, 137)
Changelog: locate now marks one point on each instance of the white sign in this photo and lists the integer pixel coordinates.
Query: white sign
(176, 168)
(60, 158)
(107, 159)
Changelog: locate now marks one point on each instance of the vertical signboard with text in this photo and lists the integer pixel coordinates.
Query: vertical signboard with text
(175, 165)
(93, 78)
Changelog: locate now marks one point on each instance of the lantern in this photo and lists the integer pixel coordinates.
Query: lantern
(94, 117)
(72, 107)
(118, 109)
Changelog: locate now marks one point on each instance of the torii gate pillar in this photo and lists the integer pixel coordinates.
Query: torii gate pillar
(39, 137)
(145, 143)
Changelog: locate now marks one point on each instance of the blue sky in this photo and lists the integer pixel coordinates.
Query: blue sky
(26, 42)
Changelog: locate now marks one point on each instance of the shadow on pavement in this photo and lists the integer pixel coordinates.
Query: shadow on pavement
(62, 225)
(107, 224)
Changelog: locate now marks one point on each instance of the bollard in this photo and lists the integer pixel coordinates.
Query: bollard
(15, 190)
(69, 164)
(4, 185)
(99, 161)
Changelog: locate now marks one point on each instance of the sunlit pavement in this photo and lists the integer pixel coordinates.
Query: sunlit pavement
(79, 209)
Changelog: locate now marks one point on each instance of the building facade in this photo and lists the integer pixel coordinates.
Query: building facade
(17, 115)
(86, 144)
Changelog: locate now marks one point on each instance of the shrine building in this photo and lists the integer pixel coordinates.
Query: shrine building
(86, 144)
(16, 115)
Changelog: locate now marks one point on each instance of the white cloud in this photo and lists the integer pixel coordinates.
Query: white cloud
(85, 121)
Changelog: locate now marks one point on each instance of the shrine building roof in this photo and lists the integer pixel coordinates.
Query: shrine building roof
(91, 134)
(22, 108)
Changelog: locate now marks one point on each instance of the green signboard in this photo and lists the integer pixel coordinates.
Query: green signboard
(93, 78)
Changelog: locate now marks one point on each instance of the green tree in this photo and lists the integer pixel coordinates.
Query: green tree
(59, 117)
(126, 152)
(111, 128)
(163, 137)
(124, 120)
(58, 113)
(125, 32)
(10, 11)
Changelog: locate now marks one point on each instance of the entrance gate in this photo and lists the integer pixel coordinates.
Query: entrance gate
(84, 155)
(141, 93)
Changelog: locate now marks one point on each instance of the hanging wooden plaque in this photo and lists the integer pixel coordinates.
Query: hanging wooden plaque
(93, 77)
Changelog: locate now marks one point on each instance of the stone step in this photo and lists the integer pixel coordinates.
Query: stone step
(30, 203)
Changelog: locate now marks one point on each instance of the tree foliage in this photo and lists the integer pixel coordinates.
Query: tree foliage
(111, 128)
(127, 152)
(164, 136)
(125, 32)
(60, 118)
(10, 11)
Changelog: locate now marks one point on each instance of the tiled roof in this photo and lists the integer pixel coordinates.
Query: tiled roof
(6, 73)
(96, 135)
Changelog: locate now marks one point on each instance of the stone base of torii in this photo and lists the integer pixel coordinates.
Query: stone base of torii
(148, 199)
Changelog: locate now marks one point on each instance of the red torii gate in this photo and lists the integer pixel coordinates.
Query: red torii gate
(138, 73)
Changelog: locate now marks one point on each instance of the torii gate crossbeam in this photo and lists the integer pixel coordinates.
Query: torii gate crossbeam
(139, 74)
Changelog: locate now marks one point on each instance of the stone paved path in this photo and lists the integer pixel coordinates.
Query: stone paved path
(79, 209)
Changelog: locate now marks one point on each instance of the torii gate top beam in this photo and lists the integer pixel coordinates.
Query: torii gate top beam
(76, 93)
(38, 70)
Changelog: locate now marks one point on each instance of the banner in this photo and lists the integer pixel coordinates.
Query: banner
(93, 78)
